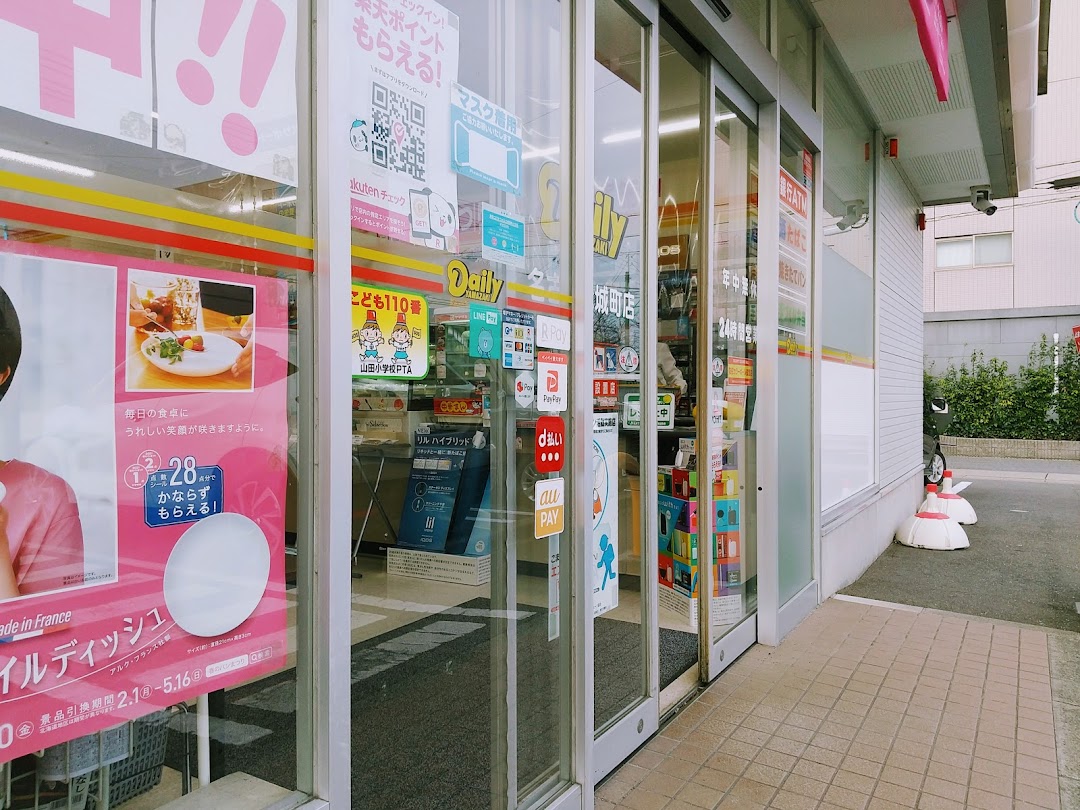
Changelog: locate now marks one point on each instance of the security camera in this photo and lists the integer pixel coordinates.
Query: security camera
(980, 201)
(855, 217)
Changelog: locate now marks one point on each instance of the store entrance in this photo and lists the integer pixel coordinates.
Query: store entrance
(678, 388)
(706, 355)
(674, 388)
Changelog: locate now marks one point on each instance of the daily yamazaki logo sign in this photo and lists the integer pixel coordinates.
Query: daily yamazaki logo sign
(476, 285)
(609, 226)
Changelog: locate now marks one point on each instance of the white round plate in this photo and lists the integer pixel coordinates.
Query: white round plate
(216, 574)
(219, 356)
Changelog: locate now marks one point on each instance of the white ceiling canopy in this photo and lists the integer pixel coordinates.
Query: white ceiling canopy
(941, 148)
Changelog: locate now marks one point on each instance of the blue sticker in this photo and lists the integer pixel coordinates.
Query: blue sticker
(182, 495)
(485, 341)
(611, 359)
(502, 237)
(485, 141)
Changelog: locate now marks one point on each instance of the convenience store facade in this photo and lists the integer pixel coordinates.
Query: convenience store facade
(492, 457)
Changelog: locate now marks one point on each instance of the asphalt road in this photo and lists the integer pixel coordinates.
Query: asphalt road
(1023, 564)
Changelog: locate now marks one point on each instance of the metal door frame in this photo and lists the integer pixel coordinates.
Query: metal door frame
(621, 738)
(717, 652)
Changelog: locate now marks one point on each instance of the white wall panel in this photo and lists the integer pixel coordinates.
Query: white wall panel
(851, 546)
(900, 329)
(973, 288)
(1046, 250)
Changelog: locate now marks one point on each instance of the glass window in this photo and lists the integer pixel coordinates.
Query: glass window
(794, 385)
(994, 248)
(974, 251)
(730, 396)
(754, 13)
(618, 270)
(461, 349)
(795, 46)
(847, 328)
(677, 357)
(954, 253)
(155, 317)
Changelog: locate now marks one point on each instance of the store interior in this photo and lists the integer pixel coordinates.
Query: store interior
(438, 645)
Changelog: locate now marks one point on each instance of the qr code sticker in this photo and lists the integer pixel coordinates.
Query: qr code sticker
(399, 139)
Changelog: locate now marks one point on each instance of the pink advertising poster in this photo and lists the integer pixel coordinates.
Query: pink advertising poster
(142, 488)
(402, 67)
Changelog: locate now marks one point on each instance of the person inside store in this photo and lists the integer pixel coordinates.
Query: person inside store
(41, 536)
(667, 370)
(668, 375)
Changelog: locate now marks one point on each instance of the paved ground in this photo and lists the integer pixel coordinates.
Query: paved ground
(871, 707)
(1023, 564)
(1031, 465)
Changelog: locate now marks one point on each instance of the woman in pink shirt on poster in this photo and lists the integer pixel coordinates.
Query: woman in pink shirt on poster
(41, 540)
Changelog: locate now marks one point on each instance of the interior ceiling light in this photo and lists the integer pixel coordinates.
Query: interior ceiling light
(45, 163)
(532, 153)
(264, 203)
(666, 128)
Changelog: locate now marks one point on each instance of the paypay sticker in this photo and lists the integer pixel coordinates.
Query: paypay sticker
(551, 382)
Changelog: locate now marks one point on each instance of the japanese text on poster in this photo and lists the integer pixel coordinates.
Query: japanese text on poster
(161, 574)
(486, 141)
(223, 75)
(390, 333)
(403, 66)
(794, 260)
(502, 237)
(519, 339)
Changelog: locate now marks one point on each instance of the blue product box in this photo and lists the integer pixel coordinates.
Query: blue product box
(669, 513)
(726, 513)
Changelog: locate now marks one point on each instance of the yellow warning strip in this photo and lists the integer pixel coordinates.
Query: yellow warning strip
(838, 356)
(115, 202)
(399, 261)
(524, 289)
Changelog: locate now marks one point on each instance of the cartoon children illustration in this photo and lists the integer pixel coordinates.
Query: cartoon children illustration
(371, 337)
(400, 339)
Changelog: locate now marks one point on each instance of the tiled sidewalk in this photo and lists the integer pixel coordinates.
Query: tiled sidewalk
(862, 706)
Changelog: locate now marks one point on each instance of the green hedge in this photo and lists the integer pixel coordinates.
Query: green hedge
(988, 402)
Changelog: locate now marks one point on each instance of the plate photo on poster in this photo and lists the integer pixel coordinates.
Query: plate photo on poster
(216, 574)
(186, 333)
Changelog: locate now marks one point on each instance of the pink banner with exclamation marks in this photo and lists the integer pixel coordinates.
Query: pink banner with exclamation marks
(226, 75)
(84, 65)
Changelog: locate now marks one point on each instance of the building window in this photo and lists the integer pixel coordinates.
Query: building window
(974, 251)
(848, 461)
